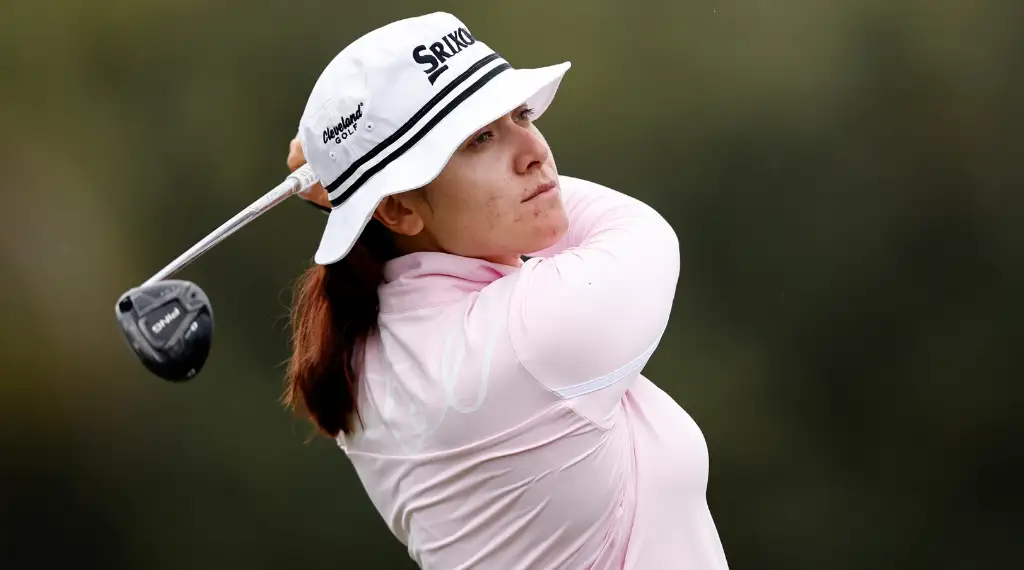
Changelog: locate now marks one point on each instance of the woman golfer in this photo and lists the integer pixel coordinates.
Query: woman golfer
(474, 326)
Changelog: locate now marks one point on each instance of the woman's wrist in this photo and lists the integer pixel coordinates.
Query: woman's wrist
(318, 206)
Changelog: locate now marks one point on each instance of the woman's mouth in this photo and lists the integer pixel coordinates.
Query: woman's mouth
(541, 190)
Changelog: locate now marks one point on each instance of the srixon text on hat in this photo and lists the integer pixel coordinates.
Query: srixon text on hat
(455, 42)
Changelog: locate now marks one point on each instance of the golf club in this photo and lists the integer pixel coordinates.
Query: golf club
(169, 322)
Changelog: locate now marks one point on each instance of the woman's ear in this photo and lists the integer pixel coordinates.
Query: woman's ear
(400, 214)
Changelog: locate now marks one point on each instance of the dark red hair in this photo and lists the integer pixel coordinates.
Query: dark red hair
(334, 311)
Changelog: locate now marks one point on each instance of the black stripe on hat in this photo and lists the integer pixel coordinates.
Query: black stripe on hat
(420, 134)
(411, 122)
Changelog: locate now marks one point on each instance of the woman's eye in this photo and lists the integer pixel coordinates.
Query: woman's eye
(482, 138)
(525, 114)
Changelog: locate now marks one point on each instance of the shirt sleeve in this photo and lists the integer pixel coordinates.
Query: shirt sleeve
(587, 313)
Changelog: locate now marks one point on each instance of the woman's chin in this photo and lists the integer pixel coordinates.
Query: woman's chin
(546, 236)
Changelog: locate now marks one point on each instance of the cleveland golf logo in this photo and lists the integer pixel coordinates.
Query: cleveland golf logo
(435, 54)
(165, 320)
(345, 128)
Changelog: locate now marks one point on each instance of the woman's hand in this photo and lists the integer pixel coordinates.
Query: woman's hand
(296, 158)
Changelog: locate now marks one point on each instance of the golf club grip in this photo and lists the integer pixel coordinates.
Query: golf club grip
(296, 182)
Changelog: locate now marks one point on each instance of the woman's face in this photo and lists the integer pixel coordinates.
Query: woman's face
(496, 199)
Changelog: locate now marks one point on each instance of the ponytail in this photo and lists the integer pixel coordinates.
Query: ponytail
(334, 311)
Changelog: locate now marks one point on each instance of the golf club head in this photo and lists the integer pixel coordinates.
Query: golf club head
(169, 325)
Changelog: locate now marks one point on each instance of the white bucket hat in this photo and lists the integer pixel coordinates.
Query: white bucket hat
(389, 111)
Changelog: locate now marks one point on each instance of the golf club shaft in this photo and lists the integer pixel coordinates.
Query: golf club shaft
(296, 182)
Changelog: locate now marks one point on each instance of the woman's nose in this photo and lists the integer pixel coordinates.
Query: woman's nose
(532, 149)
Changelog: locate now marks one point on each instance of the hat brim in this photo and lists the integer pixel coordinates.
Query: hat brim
(424, 161)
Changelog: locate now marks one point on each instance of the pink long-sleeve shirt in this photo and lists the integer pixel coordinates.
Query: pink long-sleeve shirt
(506, 423)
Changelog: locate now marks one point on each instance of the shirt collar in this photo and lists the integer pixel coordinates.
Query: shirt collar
(426, 278)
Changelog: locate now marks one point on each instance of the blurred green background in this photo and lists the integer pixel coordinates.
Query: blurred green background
(845, 177)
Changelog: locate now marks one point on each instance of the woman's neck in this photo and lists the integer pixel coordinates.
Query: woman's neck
(424, 242)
